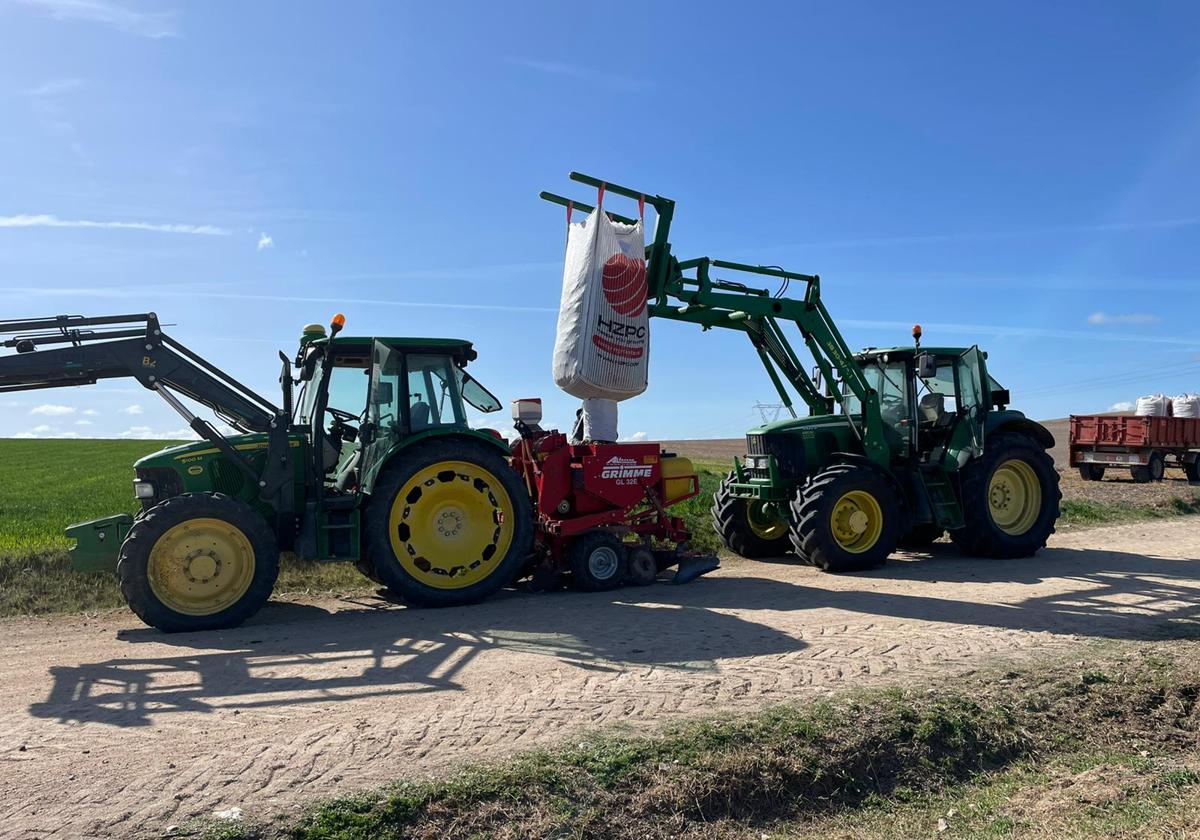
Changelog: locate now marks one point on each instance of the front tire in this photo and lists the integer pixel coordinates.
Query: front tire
(448, 523)
(1091, 472)
(1010, 499)
(203, 561)
(847, 519)
(1191, 470)
(748, 527)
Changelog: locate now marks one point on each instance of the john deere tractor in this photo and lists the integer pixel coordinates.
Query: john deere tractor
(900, 445)
(373, 464)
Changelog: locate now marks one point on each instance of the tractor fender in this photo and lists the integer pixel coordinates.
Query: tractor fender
(1015, 421)
(420, 438)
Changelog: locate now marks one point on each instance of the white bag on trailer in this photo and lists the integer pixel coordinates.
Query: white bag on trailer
(1153, 405)
(1186, 405)
(602, 346)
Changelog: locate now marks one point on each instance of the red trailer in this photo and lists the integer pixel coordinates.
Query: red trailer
(1144, 445)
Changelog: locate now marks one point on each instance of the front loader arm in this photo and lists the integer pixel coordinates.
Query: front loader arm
(712, 302)
(108, 347)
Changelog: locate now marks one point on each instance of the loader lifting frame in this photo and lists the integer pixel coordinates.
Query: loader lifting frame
(161, 364)
(699, 298)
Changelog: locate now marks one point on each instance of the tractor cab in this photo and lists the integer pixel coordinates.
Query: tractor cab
(365, 397)
(932, 401)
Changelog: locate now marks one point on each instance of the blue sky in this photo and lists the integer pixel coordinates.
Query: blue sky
(1024, 176)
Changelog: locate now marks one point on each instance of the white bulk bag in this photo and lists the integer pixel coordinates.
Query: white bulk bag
(1153, 405)
(600, 420)
(602, 347)
(1186, 405)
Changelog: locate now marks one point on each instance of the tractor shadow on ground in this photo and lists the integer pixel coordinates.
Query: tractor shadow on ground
(292, 654)
(1097, 593)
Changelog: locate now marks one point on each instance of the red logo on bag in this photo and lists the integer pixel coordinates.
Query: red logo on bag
(625, 285)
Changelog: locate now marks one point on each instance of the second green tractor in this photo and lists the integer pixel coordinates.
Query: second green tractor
(901, 445)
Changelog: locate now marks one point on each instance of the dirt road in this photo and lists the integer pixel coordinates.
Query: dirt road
(108, 728)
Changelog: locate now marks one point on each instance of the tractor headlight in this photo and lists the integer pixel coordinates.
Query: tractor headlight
(143, 489)
(756, 462)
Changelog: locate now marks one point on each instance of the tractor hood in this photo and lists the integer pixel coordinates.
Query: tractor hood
(797, 424)
(171, 456)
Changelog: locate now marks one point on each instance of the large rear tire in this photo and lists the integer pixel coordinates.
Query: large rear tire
(1010, 499)
(748, 527)
(448, 523)
(847, 519)
(203, 561)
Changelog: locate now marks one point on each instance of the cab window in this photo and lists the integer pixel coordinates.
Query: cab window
(433, 392)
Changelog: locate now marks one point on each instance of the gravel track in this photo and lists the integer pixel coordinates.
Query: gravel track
(108, 728)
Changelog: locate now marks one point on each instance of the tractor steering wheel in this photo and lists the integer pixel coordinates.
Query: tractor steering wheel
(339, 428)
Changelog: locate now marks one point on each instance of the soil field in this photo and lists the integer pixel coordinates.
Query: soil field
(108, 728)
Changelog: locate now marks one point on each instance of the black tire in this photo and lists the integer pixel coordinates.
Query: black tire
(598, 561)
(643, 567)
(1157, 466)
(730, 518)
(1140, 474)
(134, 565)
(921, 536)
(382, 551)
(367, 568)
(1191, 470)
(816, 504)
(1091, 472)
(981, 536)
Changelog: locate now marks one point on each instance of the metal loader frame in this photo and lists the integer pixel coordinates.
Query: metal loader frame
(685, 290)
(119, 349)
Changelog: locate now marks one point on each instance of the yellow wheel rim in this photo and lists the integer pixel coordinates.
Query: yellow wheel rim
(764, 521)
(451, 524)
(201, 566)
(1014, 497)
(856, 521)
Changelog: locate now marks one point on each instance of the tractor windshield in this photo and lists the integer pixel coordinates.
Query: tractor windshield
(889, 381)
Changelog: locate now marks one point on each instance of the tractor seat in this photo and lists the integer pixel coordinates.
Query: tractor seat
(418, 415)
(348, 475)
(932, 407)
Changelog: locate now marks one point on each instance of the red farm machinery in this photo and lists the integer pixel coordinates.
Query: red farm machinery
(600, 509)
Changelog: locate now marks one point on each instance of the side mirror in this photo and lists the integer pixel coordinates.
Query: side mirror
(1001, 397)
(816, 377)
(384, 395)
(927, 366)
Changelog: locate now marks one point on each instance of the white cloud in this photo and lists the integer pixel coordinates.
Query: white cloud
(587, 74)
(1121, 406)
(54, 87)
(148, 433)
(133, 410)
(89, 412)
(24, 435)
(636, 437)
(1101, 318)
(50, 410)
(42, 429)
(83, 422)
(26, 220)
(146, 24)
(265, 242)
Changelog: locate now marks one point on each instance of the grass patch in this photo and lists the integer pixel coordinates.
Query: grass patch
(1057, 749)
(1087, 512)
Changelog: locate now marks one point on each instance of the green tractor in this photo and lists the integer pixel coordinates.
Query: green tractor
(373, 463)
(900, 445)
